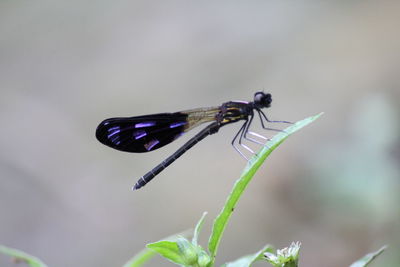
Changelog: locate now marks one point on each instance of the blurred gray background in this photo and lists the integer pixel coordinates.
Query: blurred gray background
(66, 66)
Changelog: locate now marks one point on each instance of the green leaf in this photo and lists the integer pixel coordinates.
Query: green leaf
(22, 256)
(146, 254)
(169, 250)
(241, 184)
(140, 258)
(367, 259)
(198, 229)
(248, 260)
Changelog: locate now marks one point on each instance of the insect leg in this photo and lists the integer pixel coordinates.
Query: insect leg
(236, 136)
(243, 132)
(263, 114)
(262, 117)
(246, 131)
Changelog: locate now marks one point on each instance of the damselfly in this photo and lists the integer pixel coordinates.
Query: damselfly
(150, 132)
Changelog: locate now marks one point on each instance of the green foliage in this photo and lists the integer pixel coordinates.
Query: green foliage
(249, 259)
(21, 256)
(146, 254)
(169, 250)
(181, 251)
(140, 258)
(252, 166)
(197, 229)
(187, 254)
(367, 259)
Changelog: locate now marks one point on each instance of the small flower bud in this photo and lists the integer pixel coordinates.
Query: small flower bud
(203, 259)
(189, 252)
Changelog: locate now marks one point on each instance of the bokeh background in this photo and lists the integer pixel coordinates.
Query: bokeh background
(67, 65)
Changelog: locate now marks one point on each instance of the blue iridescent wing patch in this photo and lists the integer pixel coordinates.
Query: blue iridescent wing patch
(142, 133)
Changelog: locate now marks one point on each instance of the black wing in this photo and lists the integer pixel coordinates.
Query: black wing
(142, 133)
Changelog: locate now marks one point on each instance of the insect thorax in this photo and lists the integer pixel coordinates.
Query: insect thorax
(234, 111)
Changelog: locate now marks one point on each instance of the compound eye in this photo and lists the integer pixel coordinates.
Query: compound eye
(262, 100)
(258, 97)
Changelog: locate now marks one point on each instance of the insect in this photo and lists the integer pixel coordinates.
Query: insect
(150, 132)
